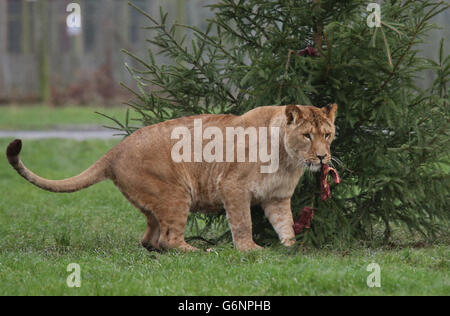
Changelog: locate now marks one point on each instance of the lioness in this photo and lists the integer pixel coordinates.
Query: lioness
(141, 166)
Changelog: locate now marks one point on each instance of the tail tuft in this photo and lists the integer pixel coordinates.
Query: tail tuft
(94, 174)
(13, 150)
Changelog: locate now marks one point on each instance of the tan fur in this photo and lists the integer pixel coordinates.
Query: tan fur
(142, 168)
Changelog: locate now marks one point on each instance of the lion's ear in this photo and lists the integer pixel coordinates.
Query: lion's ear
(293, 114)
(330, 111)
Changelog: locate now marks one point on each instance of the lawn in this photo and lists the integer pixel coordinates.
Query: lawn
(39, 117)
(41, 233)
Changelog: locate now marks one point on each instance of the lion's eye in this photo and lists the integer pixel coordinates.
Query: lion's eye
(308, 136)
(327, 136)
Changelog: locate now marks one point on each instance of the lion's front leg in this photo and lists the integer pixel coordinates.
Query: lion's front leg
(279, 215)
(237, 207)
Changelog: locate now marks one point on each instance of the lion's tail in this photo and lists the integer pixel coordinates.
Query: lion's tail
(94, 174)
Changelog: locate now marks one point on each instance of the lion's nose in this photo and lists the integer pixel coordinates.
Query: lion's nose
(321, 157)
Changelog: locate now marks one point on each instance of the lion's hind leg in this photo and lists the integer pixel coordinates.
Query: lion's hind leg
(173, 215)
(150, 240)
(166, 208)
(166, 222)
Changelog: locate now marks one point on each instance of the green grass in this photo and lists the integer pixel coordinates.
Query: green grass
(39, 117)
(41, 233)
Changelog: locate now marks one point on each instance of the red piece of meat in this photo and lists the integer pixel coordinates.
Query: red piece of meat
(307, 214)
(325, 184)
(304, 219)
(308, 51)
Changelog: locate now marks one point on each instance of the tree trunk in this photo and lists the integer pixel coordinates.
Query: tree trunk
(318, 26)
(44, 52)
(26, 30)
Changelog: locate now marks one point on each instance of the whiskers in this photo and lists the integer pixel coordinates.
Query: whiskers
(336, 160)
(339, 164)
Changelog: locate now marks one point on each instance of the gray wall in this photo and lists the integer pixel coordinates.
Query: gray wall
(76, 62)
(86, 65)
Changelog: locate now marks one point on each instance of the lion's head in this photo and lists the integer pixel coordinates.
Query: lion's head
(309, 133)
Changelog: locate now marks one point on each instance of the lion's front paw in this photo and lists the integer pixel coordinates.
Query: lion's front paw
(288, 242)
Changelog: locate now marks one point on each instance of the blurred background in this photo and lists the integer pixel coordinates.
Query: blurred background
(48, 66)
(45, 60)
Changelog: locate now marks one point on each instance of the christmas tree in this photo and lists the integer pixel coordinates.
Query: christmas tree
(392, 141)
